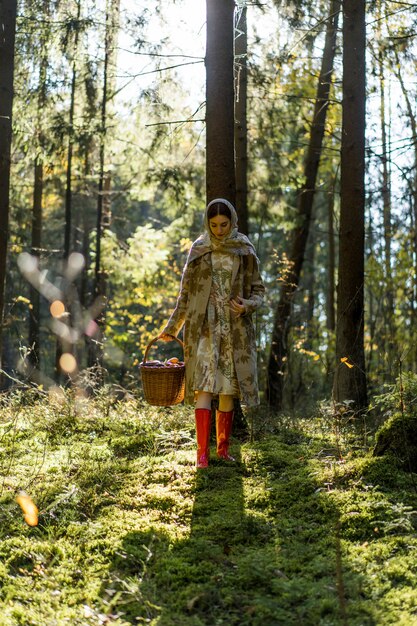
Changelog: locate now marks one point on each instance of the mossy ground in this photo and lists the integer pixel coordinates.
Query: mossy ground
(306, 528)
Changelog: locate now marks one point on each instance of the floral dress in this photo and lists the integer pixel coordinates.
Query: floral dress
(215, 370)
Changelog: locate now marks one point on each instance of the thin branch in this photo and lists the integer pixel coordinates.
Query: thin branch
(155, 54)
(176, 122)
(390, 14)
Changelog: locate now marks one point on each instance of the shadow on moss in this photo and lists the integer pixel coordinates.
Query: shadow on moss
(263, 549)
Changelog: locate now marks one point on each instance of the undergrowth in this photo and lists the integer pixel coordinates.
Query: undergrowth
(306, 528)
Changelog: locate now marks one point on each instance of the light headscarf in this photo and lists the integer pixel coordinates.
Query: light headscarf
(234, 242)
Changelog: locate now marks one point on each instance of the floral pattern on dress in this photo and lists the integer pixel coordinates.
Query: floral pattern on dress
(215, 370)
(191, 311)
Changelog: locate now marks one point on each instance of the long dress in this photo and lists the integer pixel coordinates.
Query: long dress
(215, 370)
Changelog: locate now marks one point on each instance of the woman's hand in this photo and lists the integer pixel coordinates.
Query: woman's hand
(237, 307)
(165, 337)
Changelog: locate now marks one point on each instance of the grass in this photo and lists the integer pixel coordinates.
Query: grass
(306, 528)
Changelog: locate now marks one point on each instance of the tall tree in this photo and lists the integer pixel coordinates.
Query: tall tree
(331, 264)
(412, 120)
(36, 236)
(350, 382)
(73, 24)
(220, 155)
(72, 27)
(87, 151)
(8, 9)
(103, 197)
(40, 139)
(241, 125)
(278, 354)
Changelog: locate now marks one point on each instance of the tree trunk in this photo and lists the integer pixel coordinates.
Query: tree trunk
(68, 188)
(388, 311)
(309, 280)
(34, 313)
(413, 188)
(241, 126)
(386, 189)
(8, 9)
(278, 354)
(103, 205)
(331, 266)
(220, 159)
(350, 382)
(36, 235)
(62, 345)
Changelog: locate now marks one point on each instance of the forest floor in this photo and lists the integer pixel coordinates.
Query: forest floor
(306, 528)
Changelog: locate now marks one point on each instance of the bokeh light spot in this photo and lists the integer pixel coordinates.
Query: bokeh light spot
(76, 263)
(57, 308)
(68, 363)
(27, 263)
(92, 328)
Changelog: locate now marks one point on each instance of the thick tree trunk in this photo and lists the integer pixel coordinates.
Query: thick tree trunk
(241, 125)
(8, 9)
(350, 382)
(278, 354)
(220, 158)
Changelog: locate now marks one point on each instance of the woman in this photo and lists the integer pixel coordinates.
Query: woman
(220, 289)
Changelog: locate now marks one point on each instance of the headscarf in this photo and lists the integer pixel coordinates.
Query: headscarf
(234, 242)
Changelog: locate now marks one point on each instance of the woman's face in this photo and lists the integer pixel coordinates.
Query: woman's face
(220, 226)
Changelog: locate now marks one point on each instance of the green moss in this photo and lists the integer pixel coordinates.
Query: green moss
(397, 437)
(130, 533)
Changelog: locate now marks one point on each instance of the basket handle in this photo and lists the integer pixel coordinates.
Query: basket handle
(150, 344)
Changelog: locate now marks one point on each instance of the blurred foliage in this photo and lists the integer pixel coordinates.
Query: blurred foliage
(155, 160)
(143, 277)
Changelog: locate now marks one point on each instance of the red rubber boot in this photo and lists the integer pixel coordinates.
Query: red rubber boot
(224, 420)
(202, 425)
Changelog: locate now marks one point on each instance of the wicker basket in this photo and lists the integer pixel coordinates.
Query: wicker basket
(162, 386)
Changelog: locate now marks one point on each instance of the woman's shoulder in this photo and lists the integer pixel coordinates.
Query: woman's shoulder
(201, 240)
(250, 248)
(244, 238)
(199, 247)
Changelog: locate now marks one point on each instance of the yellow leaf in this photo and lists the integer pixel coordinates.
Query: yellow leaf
(344, 360)
(29, 508)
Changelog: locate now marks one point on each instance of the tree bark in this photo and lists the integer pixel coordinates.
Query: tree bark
(350, 382)
(103, 198)
(388, 341)
(37, 210)
(8, 9)
(34, 312)
(278, 354)
(413, 188)
(68, 187)
(220, 158)
(331, 265)
(241, 124)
